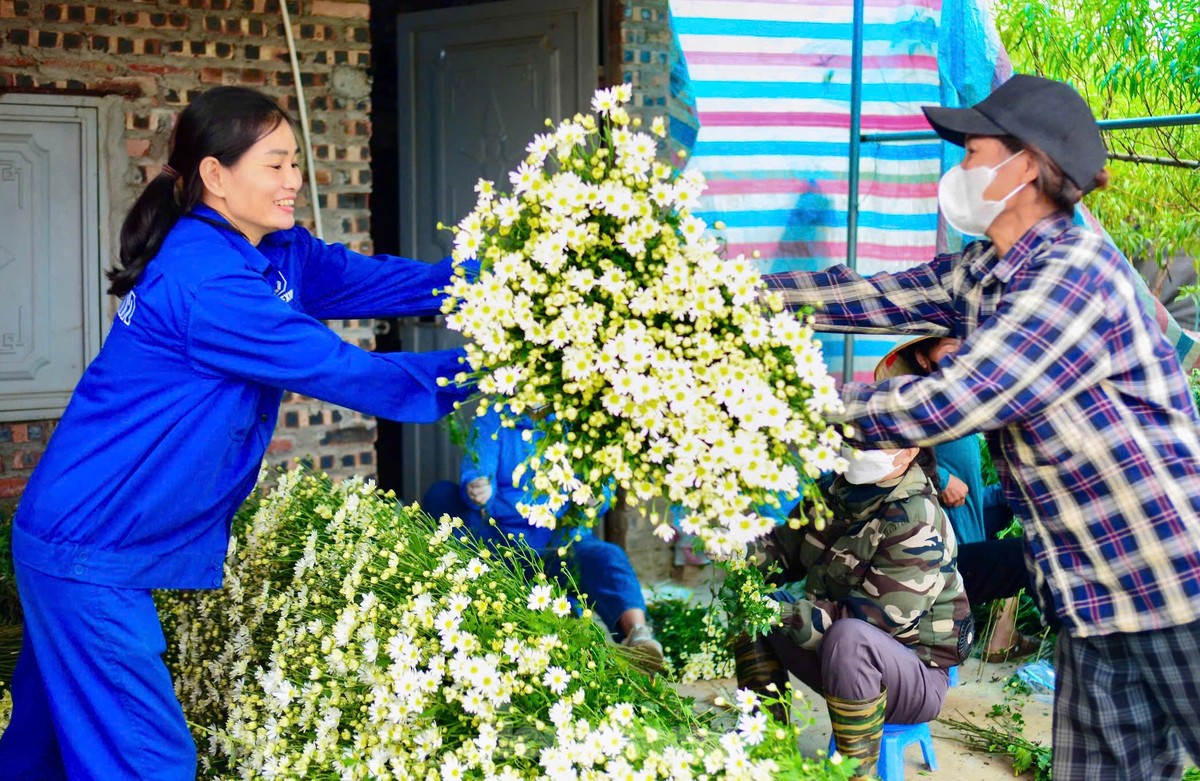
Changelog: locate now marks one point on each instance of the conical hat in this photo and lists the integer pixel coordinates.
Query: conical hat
(899, 361)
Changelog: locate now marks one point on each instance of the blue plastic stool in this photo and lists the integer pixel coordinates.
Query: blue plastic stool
(897, 737)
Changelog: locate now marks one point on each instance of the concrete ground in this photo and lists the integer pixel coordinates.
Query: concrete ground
(980, 687)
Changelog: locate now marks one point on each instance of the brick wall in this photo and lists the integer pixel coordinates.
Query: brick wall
(157, 54)
(21, 446)
(645, 55)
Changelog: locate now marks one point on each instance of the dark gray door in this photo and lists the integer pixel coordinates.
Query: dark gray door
(476, 83)
(51, 287)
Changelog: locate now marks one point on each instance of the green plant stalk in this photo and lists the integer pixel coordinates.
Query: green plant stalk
(1025, 755)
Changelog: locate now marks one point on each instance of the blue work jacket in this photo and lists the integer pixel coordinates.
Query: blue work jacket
(494, 451)
(166, 431)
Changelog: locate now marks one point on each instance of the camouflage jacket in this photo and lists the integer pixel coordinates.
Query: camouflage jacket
(887, 558)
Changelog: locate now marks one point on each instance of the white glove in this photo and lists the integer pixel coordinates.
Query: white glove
(479, 491)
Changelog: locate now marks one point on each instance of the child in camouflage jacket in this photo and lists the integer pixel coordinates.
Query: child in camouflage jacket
(884, 613)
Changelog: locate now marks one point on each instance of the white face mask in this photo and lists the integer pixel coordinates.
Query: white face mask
(960, 196)
(868, 466)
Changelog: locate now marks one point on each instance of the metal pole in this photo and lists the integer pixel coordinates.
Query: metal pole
(1170, 162)
(1171, 120)
(856, 78)
(305, 130)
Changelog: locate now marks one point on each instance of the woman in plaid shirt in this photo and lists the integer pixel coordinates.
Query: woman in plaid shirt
(1078, 389)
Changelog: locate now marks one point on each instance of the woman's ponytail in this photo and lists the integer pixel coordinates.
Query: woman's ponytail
(153, 215)
(222, 123)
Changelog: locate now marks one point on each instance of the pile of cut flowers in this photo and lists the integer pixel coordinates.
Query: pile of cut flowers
(356, 639)
(694, 638)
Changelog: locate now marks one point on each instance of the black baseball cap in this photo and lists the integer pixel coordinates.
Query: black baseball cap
(1048, 114)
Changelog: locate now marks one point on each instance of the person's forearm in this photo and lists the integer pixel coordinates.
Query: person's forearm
(912, 301)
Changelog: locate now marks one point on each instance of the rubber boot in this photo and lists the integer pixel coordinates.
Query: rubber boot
(857, 730)
(756, 667)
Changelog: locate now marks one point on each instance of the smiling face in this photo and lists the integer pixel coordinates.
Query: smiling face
(258, 192)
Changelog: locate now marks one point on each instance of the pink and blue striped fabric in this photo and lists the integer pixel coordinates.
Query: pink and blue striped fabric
(770, 85)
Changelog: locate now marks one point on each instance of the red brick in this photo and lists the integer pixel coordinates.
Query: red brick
(137, 147)
(280, 446)
(128, 88)
(11, 487)
(76, 65)
(341, 10)
(157, 69)
(23, 459)
(139, 49)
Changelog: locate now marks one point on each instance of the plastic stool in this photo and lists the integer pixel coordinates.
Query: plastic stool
(899, 737)
(896, 738)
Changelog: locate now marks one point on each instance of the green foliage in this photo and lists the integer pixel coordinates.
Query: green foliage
(694, 638)
(744, 596)
(10, 607)
(1005, 734)
(987, 464)
(1128, 58)
(458, 426)
(679, 626)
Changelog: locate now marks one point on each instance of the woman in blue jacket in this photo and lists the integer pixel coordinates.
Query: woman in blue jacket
(222, 301)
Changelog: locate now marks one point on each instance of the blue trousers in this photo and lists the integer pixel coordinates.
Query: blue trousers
(92, 698)
(599, 569)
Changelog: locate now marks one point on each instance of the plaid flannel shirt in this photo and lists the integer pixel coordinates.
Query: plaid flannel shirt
(1078, 391)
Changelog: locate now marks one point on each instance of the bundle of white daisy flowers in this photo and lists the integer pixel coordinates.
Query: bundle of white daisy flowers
(669, 369)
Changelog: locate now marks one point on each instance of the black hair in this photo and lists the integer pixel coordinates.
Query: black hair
(223, 122)
(921, 348)
(927, 460)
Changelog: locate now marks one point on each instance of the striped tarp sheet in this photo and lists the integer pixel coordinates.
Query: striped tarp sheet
(770, 81)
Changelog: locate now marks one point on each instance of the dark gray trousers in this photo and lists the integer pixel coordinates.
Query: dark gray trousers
(855, 659)
(1127, 705)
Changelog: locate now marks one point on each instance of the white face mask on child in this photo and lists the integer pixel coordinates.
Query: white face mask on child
(868, 466)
